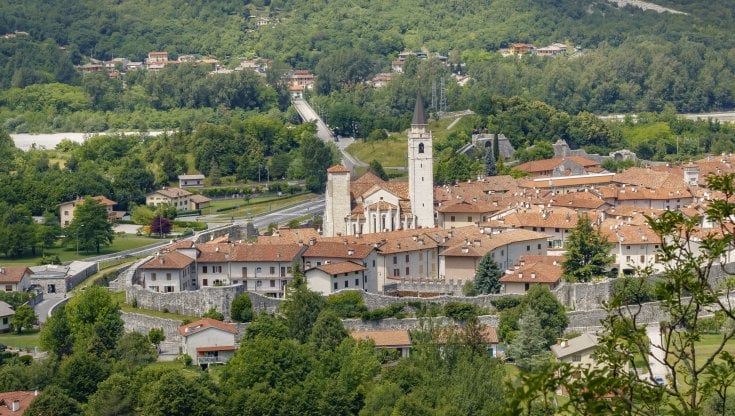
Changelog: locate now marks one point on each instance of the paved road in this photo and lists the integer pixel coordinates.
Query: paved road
(313, 207)
(657, 354)
(724, 117)
(43, 308)
(308, 114)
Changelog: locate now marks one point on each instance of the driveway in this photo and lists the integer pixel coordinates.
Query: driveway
(48, 301)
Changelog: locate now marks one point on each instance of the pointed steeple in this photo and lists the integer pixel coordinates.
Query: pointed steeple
(419, 116)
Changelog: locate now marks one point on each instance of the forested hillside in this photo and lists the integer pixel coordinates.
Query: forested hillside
(631, 60)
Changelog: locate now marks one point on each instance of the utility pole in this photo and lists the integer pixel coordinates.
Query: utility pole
(443, 97)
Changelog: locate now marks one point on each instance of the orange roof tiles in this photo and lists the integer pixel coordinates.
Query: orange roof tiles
(649, 178)
(104, 201)
(338, 169)
(480, 247)
(205, 323)
(535, 269)
(289, 236)
(238, 252)
(13, 274)
(334, 249)
(554, 217)
(584, 200)
(172, 192)
(391, 338)
(335, 269)
(168, 261)
(620, 232)
(538, 166)
(468, 207)
(24, 399)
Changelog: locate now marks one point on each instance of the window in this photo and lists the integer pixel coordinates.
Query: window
(577, 358)
(5, 321)
(556, 230)
(396, 272)
(528, 248)
(273, 283)
(407, 258)
(204, 269)
(527, 286)
(543, 228)
(283, 271)
(204, 282)
(627, 259)
(153, 277)
(421, 148)
(244, 272)
(347, 284)
(407, 271)
(288, 269)
(395, 260)
(452, 218)
(357, 282)
(336, 285)
(168, 289)
(219, 269)
(539, 247)
(258, 270)
(373, 262)
(534, 229)
(168, 276)
(364, 279)
(643, 259)
(627, 247)
(273, 270)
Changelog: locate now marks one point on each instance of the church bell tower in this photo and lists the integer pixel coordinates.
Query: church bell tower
(421, 167)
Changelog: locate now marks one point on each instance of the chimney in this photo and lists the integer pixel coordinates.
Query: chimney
(16, 406)
(350, 252)
(533, 275)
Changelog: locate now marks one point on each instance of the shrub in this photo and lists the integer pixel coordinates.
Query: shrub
(214, 314)
(185, 358)
(632, 290)
(346, 304)
(241, 309)
(460, 311)
(506, 302)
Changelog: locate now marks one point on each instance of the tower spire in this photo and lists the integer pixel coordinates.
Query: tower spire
(419, 115)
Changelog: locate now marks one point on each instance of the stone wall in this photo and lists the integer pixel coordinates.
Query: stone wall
(264, 304)
(194, 303)
(411, 323)
(233, 230)
(137, 322)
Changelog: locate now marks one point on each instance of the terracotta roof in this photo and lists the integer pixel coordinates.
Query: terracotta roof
(198, 199)
(535, 269)
(636, 193)
(169, 261)
(13, 274)
(649, 178)
(551, 217)
(381, 205)
(180, 244)
(408, 243)
(585, 200)
(629, 211)
(289, 236)
(620, 232)
(220, 348)
(468, 207)
(205, 323)
(442, 334)
(369, 177)
(480, 247)
(248, 252)
(172, 192)
(24, 399)
(342, 250)
(104, 201)
(568, 181)
(386, 338)
(335, 269)
(338, 169)
(537, 166)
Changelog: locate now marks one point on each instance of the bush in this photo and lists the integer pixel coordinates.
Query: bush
(506, 302)
(632, 290)
(346, 304)
(15, 299)
(185, 358)
(214, 314)
(712, 325)
(197, 226)
(241, 309)
(460, 311)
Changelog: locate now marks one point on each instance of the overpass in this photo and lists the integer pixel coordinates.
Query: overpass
(308, 114)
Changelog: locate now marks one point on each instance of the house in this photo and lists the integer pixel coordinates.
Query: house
(397, 66)
(302, 78)
(464, 213)
(6, 314)
(15, 278)
(66, 209)
(556, 222)
(191, 181)
(208, 341)
(175, 197)
(296, 92)
(633, 245)
(555, 49)
(533, 270)
(487, 334)
(52, 278)
(578, 352)
(567, 184)
(319, 253)
(522, 49)
(332, 277)
(169, 272)
(16, 402)
(561, 166)
(199, 202)
(381, 80)
(157, 57)
(388, 339)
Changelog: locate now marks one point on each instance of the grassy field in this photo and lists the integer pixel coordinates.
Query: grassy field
(258, 206)
(121, 243)
(27, 340)
(389, 152)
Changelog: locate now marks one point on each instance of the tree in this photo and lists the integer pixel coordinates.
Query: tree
(160, 225)
(177, 393)
(156, 336)
(80, 373)
(54, 401)
(94, 320)
(134, 351)
(377, 169)
(24, 318)
(241, 309)
(694, 279)
(588, 253)
(56, 337)
(90, 228)
(550, 312)
(490, 168)
(327, 332)
(487, 277)
(317, 157)
(142, 215)
(114, 397)
(213, 313)
(528, 345)
(302, 306)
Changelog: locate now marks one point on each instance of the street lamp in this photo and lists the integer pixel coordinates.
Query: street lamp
(80, 226)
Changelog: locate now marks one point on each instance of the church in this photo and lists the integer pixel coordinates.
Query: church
(371, 205)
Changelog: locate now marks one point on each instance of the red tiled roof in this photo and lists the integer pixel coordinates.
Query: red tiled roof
(218, 253)
(13, 274)
(220, 348)
(205, 323)
(24, 399)
(104, 201)
(289, 236)
(536, 166)
(480, 247)
(170, 261)
(468, 207)
(338, 169)
(334, 249)
(198, 199)
(581, 180)
(172, 192)
(535, 269)
(386, 338)
(335, 269)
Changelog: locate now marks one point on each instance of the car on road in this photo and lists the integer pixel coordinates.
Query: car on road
(660, 380)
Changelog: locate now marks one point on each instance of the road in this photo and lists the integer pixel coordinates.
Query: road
(657, 354)
(42, 309)
(723, 117)
(322, 131)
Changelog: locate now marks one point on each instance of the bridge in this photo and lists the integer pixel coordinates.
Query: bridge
(308, 114)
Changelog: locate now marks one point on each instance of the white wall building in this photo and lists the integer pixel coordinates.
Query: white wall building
(208, 341)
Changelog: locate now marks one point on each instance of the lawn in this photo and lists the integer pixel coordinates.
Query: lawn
(66, 254)
(258, 206)
(391, 152)
(26, 341)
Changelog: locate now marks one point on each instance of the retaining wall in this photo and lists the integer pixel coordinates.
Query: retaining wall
(194, 303)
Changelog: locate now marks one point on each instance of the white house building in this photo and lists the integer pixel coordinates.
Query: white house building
(208, 341)
(331, 277)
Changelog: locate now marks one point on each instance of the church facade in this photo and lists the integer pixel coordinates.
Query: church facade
(372, 205)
